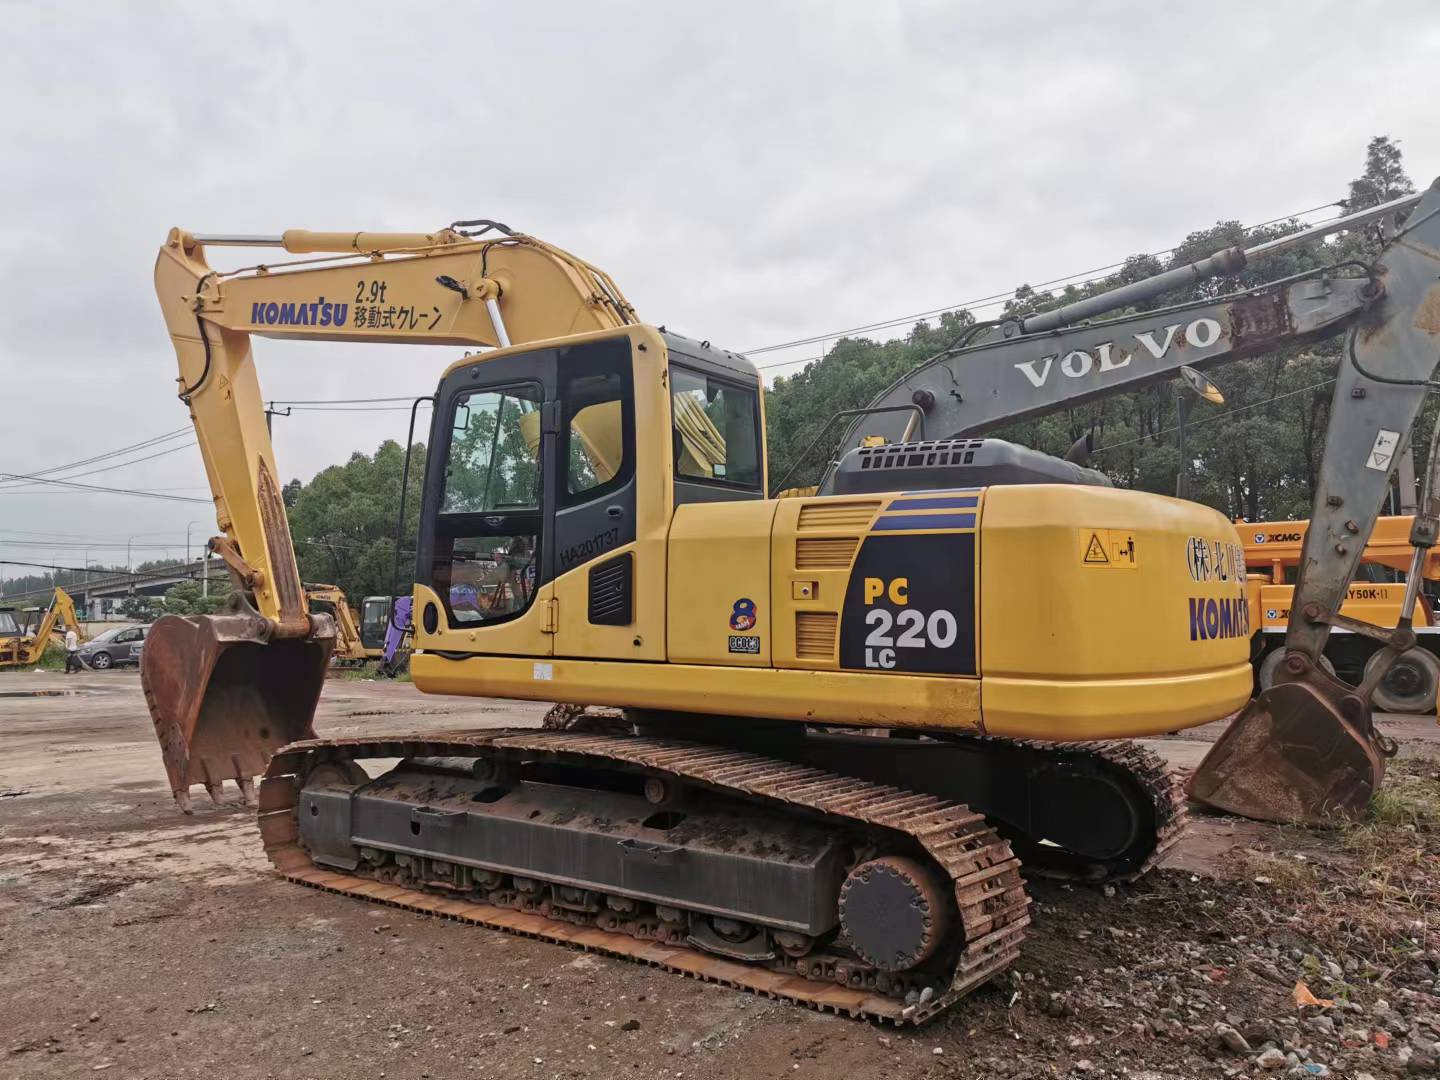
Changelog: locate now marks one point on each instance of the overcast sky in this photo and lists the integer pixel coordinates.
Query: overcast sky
(749, 173)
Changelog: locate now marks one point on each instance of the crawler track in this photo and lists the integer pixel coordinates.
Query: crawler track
(992, 909)
(1159, 788)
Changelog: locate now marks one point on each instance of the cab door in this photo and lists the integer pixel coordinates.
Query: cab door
(484, 558)
(609, 541)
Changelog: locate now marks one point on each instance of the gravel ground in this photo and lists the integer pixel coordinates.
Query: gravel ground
(135, 942)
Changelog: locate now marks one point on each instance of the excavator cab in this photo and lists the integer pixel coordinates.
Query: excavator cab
(374, 622)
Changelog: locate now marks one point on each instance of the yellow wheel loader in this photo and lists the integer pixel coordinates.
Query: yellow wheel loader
(26, 632)
(812, 739)
(1376, 596)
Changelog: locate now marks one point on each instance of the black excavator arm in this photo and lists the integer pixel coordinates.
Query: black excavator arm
(1307, 749)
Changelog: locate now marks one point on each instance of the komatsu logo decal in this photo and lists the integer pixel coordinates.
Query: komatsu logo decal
(1201, 333)
(319, 312)
(1210, 618)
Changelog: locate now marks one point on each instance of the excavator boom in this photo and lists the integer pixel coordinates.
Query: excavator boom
(226, 690)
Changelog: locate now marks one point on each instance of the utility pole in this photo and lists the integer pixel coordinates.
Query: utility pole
(270, 411)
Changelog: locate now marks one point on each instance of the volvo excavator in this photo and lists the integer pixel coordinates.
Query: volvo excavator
(811, 739)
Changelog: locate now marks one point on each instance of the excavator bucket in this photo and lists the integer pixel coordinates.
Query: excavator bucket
(225, 695)
(1294, 755)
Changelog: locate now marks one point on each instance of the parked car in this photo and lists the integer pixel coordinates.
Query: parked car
(119, 646)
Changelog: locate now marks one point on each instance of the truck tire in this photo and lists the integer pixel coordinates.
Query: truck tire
(1271, 664)
(1412, 684)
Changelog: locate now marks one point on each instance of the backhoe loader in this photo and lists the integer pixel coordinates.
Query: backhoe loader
(595, 531)
(25, 632)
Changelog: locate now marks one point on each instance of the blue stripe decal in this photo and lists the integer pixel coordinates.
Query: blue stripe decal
(945, 503)
(945, 491)
(890, 522)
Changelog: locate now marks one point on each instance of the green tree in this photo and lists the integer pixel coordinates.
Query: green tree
(188, 598)
(343, 522)
(1257, 457)
(141, 608)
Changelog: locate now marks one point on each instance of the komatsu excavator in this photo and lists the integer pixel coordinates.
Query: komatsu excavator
(349, 648)
(596, 531)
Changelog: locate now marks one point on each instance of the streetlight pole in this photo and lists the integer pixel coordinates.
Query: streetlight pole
(1182, 476)
(1197, 385)
(188, 527)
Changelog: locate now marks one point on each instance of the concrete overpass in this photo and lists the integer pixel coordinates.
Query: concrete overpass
(91, 593)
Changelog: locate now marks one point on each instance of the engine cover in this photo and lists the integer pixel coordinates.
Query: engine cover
(951, 463)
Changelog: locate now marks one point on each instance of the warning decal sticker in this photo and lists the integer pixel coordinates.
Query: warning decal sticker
(1383, 450)
(1112, 549)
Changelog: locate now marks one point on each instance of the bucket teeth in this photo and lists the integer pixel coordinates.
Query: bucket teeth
(182, 800)
(225, 693)
(216, 792)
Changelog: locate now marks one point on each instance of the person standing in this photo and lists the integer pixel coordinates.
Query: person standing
(72, 651)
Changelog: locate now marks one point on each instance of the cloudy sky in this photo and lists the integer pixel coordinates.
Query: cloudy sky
(752, 173)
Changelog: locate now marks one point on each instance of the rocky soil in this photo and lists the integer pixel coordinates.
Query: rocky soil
(134, 942)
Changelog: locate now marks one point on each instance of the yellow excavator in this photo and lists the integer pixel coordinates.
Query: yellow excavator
(25, 632)
(596, 531)
(349, 649)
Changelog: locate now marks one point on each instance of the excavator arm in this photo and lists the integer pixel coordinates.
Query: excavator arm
(348, 646)
(1034, 365)
(60, 613)
(1306, 749)
(224, 691)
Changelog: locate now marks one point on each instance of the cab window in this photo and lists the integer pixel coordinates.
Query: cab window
(489, 528)
(598, 428)
(494, 452)
(374, 622)
(716, 430)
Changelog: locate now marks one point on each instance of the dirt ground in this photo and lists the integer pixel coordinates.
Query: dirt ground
(139, 943)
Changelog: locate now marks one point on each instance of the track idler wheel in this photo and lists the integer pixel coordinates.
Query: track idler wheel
(1304, 751)
(894, 913)
(224, 695)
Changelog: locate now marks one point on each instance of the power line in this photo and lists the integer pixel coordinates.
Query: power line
(142, 445)
(350, 408)
(991, 300)
(109, 468)
(346, 401)
(89, 545)
(1217, 416)
(95, 487)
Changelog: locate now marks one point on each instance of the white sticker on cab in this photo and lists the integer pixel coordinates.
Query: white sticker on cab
(544, 672)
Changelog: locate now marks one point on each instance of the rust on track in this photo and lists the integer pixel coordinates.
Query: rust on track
(992, 909)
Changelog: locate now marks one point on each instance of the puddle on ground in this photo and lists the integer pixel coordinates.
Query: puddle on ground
(50, 693)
